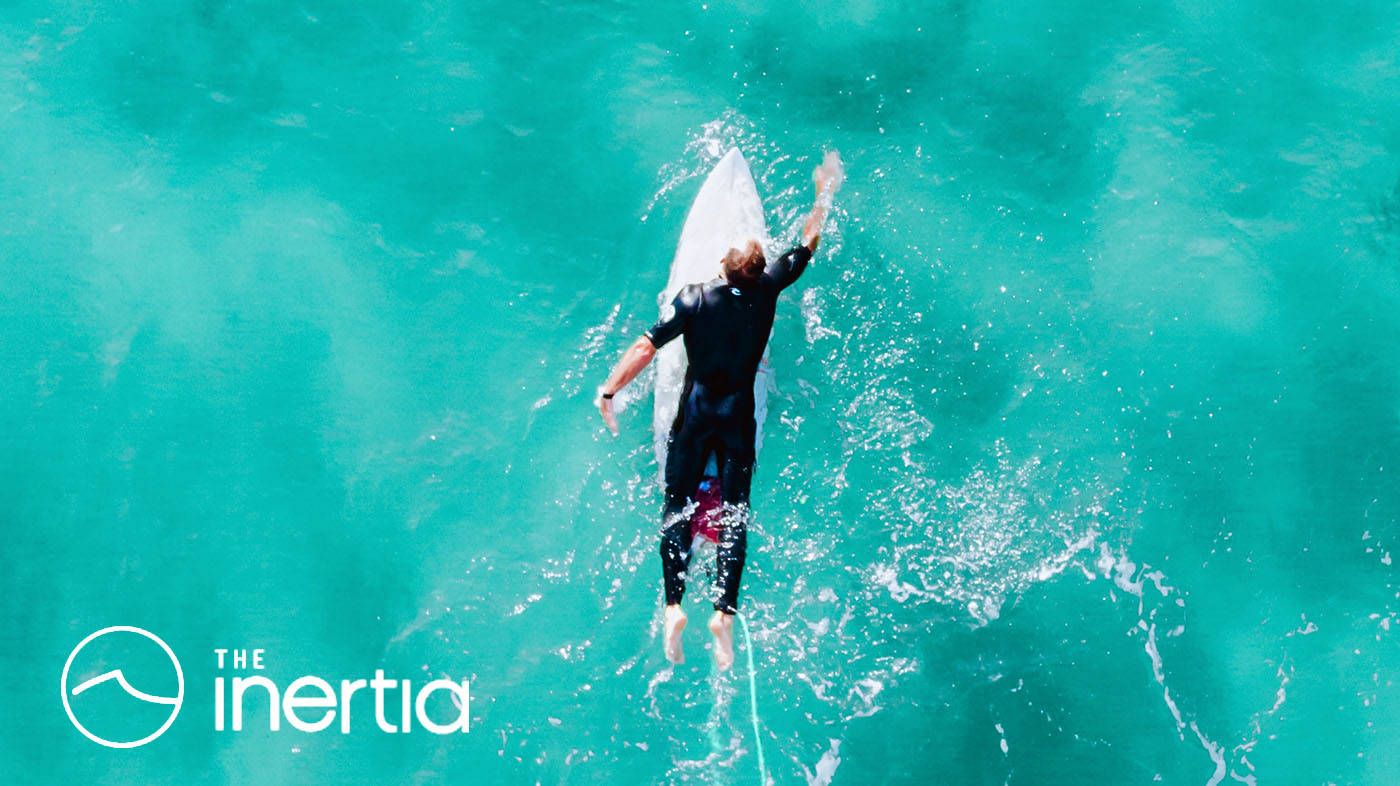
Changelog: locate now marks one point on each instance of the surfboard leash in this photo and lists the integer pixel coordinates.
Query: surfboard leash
(753, 700)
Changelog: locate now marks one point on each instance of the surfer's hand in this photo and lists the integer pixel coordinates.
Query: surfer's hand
(605, 409)
(829, 176)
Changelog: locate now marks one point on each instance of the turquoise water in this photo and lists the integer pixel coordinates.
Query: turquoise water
(1081, 466)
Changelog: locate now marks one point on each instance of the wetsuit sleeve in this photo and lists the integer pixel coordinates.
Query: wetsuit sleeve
(673, 319)
(788, 267)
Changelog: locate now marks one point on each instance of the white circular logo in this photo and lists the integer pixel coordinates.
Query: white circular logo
(120, 678)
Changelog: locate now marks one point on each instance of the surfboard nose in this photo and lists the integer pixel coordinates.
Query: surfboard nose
(733, 164)
(733, 171)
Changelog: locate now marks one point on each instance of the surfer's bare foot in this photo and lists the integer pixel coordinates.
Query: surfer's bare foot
(675, 623)
(722, 625)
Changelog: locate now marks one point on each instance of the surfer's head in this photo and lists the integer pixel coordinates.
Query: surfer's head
(744, 266)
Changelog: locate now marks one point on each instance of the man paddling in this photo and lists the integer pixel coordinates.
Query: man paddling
(725, 323)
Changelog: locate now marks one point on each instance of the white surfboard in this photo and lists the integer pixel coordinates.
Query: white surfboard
(727, 213)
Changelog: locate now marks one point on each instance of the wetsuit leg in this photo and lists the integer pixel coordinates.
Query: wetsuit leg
(685, 456)
(737, 471)
(675, 558)
(729, 559)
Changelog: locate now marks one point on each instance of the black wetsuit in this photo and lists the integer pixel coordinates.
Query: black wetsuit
(726, 330)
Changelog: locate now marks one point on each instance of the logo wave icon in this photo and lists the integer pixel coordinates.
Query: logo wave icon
(120, 678)
(116, 674)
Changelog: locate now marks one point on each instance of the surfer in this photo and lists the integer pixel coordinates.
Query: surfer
(725, 323)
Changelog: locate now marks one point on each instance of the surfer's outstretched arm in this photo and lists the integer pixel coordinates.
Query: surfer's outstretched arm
(787, 268)
(633, 361)
(828, 178)
(672, 324)
(812, 230)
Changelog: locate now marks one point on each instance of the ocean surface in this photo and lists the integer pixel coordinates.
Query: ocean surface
(1082, 465)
